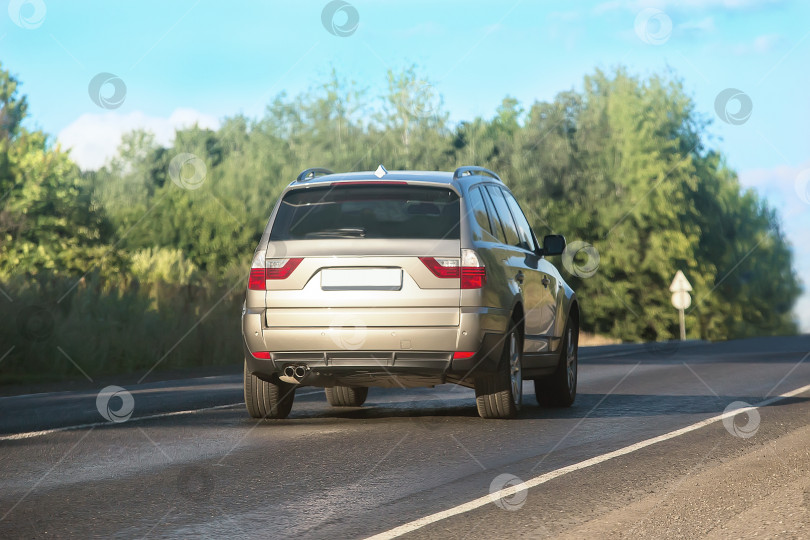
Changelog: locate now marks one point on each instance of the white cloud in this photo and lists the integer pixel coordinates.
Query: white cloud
(683, 5)
(429, 28)
(606, 7)
(761, 44)
(94, 138)
(567, 16)
(698, 26)
(714, 4)
(779, 185)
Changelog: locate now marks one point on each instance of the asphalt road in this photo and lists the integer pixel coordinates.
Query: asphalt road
(189, 461)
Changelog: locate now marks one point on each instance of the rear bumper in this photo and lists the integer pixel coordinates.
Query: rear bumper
(375, 368)
(379, 356)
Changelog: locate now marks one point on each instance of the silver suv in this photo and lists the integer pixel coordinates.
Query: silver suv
(406, 279)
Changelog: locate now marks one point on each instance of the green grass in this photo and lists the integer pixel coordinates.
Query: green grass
(110, 330)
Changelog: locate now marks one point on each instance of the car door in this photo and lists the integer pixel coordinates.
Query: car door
(521, 264)
(541, 288)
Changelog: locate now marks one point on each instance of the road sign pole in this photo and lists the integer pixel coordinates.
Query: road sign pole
(681, 299)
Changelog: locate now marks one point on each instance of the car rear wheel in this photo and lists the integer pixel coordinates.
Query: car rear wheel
(560, 388)
(500, 395)
(267, 399)
(346, 396)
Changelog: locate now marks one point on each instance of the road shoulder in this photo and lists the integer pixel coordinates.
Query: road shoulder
(705, 483)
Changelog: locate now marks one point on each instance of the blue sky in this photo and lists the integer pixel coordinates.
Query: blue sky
(185, 60)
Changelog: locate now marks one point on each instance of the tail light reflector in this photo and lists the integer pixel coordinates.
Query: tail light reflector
(461, 355)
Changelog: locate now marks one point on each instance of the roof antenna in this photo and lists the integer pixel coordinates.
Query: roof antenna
(381, 171)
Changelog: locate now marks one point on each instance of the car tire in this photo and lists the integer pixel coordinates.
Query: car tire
(346, 396)
(560, 388)
(267, 398)
(500, 395)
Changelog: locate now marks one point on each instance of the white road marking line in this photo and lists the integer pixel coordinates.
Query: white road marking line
(543, 478)
(29, 434)
(160, 386)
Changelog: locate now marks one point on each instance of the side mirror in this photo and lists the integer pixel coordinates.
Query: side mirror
(553, 244)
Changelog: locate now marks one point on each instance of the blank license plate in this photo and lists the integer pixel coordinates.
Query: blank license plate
(361, 279)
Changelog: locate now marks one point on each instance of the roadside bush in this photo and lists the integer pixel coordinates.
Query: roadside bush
(117, 329)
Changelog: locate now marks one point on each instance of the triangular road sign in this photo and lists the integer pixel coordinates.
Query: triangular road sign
(680, 283)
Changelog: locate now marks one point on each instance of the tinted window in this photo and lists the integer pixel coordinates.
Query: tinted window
(494, 224)
(523, 227)
(478, 209)
(367, 212)
(504, 216)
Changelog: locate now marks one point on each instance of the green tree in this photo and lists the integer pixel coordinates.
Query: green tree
(622, 164)
(48, 222)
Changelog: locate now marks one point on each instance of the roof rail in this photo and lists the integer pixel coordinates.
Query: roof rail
(469, 170)
(312, 173)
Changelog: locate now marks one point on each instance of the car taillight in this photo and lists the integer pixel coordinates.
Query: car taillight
(256, 280)
(261, 270)
(473, 271)
(470, 270)
(461, 355)
(443, 268)
(281, 268)
(473, 278)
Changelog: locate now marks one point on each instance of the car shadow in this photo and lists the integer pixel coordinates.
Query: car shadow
(586, 406)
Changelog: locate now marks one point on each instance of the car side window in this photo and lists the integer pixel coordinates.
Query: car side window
(478, 208)
(504, 216)
(523, 227)
(494, 224)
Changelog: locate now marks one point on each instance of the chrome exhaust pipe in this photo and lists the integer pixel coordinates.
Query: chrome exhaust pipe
(294, 374)
(301, 372)
(289, 375)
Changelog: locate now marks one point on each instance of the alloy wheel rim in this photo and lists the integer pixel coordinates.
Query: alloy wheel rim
(515, 372)
(571, 360)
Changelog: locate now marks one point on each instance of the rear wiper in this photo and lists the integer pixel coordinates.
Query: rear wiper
(358, 232)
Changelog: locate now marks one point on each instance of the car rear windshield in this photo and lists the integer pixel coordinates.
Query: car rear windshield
(381, 211)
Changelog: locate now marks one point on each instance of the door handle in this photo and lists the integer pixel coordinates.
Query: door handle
(545, 281)
(519, 277)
